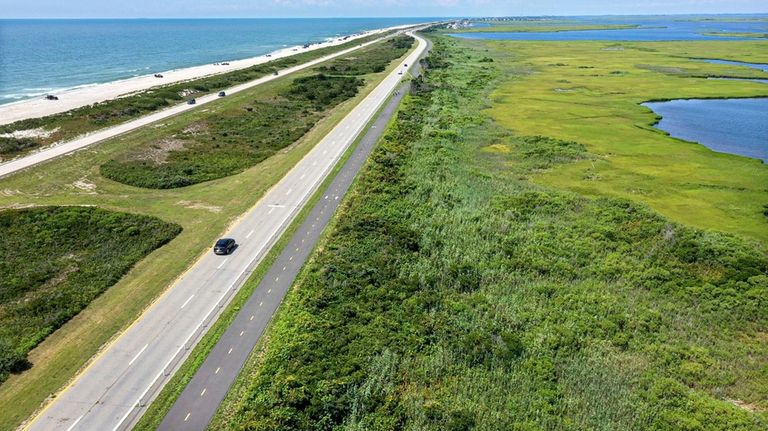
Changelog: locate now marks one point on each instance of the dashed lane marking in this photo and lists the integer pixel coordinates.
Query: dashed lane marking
(138, 354)
(187, 301)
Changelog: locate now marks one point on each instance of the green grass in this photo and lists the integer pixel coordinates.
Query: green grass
(377, 58)
(227, 142)
(590, 92)
(453, 293)
(55, 260)
(204, 211)
(70, 124)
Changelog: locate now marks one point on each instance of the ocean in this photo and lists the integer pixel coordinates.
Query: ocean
(42, 56)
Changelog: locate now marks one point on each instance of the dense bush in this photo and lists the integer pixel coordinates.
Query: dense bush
(454, 295)
(228, 142)
(55, 260)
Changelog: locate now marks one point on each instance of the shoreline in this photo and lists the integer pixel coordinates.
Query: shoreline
(87, 94)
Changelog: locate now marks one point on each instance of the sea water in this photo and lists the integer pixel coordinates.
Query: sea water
(42, 56)
(736, 126)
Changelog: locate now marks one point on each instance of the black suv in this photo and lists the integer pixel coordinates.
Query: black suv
(224, 246)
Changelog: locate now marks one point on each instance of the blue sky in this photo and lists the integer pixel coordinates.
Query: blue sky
(357, 8)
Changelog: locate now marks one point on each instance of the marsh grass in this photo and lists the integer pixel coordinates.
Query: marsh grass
(455, 294)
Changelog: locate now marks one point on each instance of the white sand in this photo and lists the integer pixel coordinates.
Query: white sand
(75, 98)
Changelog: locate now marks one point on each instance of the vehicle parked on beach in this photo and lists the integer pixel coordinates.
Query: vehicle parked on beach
(51, 97)
(158, 75)
(191, 102)
(224, 246)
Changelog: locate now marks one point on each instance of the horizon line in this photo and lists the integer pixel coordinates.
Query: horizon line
(396, 17)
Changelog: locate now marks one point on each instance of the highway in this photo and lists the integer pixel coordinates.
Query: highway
(197, 404)
(15, 165)
(113, 391)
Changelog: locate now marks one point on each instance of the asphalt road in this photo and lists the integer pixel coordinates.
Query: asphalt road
(15, 165)
(197, 404)
(113, 391)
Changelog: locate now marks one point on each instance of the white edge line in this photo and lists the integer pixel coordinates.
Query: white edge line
(215, 305)
(71, 427)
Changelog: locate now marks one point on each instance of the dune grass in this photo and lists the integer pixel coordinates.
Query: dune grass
(453, 294)
(203, 210)
(590, 92)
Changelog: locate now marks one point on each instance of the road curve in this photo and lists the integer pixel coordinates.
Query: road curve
(113, 391)
(15, 165)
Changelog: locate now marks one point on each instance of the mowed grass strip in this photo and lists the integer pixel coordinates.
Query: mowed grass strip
(455, 294)
(203, 210)
(43, 131)
(55, 260)
(590, 92)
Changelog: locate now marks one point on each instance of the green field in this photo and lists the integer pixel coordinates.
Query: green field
(55, 260)
(70, 124)
(590, 92)
(204, 210)
(454, 293)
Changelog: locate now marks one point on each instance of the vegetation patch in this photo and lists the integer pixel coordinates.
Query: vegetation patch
(453, 294)
(55, 260)
(70, 124)
(374, 58)
(227, 142)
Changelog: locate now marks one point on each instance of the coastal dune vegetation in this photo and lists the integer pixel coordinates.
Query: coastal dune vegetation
(457, 291)
(23, 136)
(55, 260)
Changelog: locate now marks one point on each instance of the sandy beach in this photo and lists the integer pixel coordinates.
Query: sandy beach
(86, 95)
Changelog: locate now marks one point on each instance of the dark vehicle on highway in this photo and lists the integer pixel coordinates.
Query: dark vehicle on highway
(224, 246)
(191, 102)
(51, 97)
(222, 94)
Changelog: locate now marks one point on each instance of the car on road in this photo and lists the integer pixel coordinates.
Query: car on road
(224, 246)
(275, 73)
(222, 93)
(191, 102)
